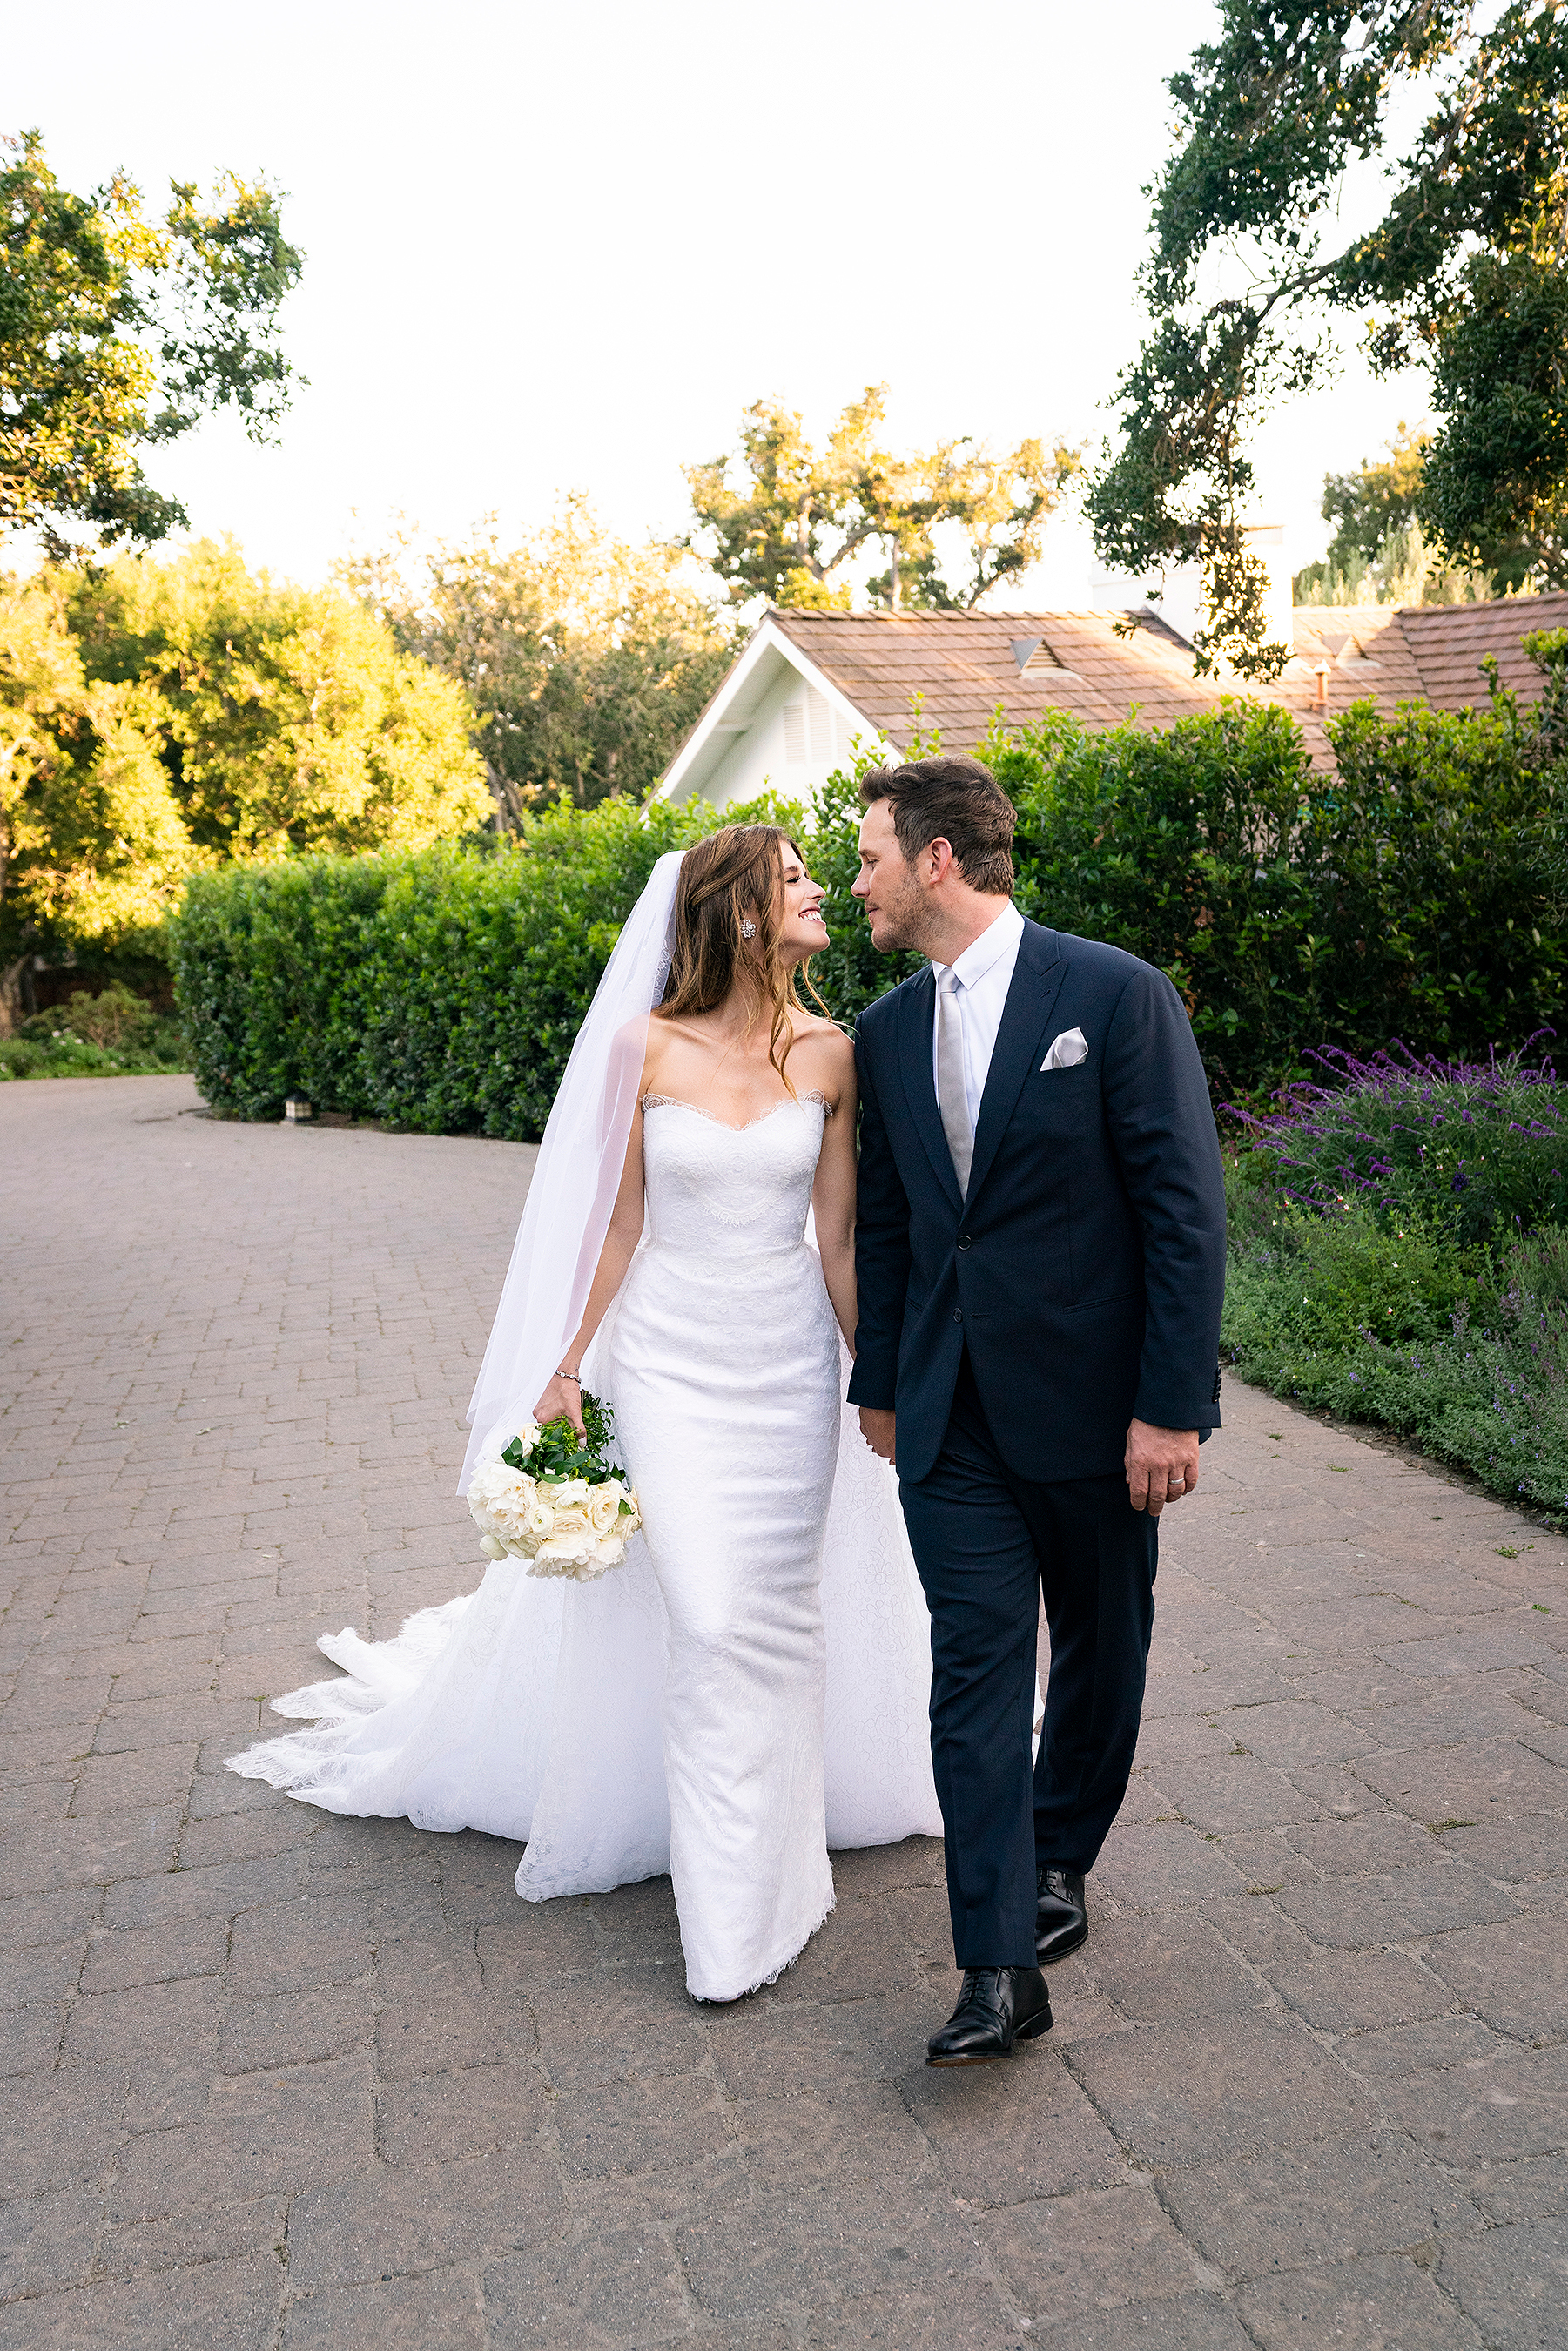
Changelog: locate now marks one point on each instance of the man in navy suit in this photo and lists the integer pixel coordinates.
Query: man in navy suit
(1040, 1253)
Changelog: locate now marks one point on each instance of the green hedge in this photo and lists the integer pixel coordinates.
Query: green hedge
(440, 991)
(1414, 892)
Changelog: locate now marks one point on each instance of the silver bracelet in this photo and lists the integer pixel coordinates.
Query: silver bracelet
(572, 1376)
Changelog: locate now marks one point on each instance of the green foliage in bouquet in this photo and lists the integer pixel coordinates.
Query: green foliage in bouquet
(558, 1453)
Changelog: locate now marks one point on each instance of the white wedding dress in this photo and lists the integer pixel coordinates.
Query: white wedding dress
(751, 1686)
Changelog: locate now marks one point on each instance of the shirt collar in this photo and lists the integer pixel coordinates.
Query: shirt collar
(999, 938)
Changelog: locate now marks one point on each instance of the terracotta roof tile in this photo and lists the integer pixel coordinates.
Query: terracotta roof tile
(963, 664)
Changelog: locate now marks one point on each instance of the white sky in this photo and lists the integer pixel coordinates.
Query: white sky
(553, 248)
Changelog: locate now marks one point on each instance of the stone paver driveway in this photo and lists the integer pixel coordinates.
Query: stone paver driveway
(281, 2079)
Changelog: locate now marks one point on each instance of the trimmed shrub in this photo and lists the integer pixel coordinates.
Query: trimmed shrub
(440, 991)
(1415, 891)
(1180, 847)
(271, 972)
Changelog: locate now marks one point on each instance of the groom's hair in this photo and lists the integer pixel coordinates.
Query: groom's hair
(953, 799)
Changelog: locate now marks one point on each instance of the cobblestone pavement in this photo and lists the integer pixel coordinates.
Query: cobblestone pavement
(285, 2080)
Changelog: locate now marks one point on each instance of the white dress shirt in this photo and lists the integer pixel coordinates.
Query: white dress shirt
(984, 973)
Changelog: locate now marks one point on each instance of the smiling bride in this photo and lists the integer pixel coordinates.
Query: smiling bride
(750, 1688)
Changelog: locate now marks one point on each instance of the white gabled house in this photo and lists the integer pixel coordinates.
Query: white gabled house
(808, 682)
(777, 719)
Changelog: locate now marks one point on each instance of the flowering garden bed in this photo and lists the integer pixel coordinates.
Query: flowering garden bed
(1399, 1254)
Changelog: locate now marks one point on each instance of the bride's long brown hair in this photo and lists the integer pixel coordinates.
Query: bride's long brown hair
(734, 878)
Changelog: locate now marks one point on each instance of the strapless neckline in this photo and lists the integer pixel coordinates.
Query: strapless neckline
(674, 1101)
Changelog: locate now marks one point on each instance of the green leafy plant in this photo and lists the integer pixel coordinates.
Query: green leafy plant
(1361, 1282)
(1250, 260)
(118, 332)
(1475, 1150)
(779, 519)
(558, 1453)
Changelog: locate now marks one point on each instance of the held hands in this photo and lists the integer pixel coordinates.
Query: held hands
(877, 1428)
(561, 1395)
(1162, 1465)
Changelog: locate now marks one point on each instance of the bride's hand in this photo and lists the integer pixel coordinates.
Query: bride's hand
(560, 1396)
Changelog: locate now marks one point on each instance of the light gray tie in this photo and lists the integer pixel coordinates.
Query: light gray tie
(952, 1093)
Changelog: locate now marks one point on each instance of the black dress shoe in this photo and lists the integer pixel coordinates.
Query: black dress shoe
(1060, 1914)
(996, 2007)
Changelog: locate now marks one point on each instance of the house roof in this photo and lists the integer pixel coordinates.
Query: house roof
(964, 663)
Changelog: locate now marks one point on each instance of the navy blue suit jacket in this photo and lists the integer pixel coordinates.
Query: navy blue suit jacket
(1086, 1270)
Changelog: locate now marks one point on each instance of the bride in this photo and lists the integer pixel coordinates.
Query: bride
(750, 1688)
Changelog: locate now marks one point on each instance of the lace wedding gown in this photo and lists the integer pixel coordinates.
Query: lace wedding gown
(751, 1687)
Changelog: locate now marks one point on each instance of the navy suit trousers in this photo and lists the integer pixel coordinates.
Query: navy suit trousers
(987, 1545)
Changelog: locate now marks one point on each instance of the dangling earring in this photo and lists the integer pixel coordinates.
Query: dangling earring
(747, 927)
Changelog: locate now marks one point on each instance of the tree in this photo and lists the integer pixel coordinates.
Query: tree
(119, 332)
(586, 659)
(1248, 268)
(286, 718)
(1376, 499)
(159, 719)
(1379, 553)
(781, 518)
(92, 843)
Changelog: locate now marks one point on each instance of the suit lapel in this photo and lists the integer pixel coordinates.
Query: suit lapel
(1036, 981)
(919, 1011)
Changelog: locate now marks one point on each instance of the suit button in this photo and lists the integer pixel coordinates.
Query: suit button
(957, 1313)
(963, 1241)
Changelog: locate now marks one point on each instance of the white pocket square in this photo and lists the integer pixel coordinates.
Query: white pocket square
(1071, 1048)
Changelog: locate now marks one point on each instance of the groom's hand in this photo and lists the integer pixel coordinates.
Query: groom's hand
(877, 1428)
(1162, 1464)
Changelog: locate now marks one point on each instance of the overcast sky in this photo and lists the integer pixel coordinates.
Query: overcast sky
(553, 248)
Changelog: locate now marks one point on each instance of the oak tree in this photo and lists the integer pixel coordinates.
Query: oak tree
(118, 331)
(1249, 267)
(780, 518)
(586, 658)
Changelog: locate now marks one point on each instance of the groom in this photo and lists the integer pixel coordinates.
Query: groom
(1040, 1252)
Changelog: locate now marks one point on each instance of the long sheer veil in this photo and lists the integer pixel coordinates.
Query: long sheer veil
(578, 1172)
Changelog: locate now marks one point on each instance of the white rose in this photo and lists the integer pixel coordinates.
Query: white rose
(492, 1547)
(603, 1508)
(561, 1555)
(541, 1519)
(529, 1435)
(571, 1490)
(571, 1522)
(499, 1499)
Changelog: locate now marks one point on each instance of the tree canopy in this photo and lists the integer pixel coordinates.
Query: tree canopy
(1376, 498)
(158, 718)
(1249, 265)
(1379, 553)
(586, 658)
(780, 518)
(118, 331)
(91, 837)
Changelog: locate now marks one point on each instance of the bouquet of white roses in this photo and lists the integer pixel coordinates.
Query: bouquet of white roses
(554, 1499)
